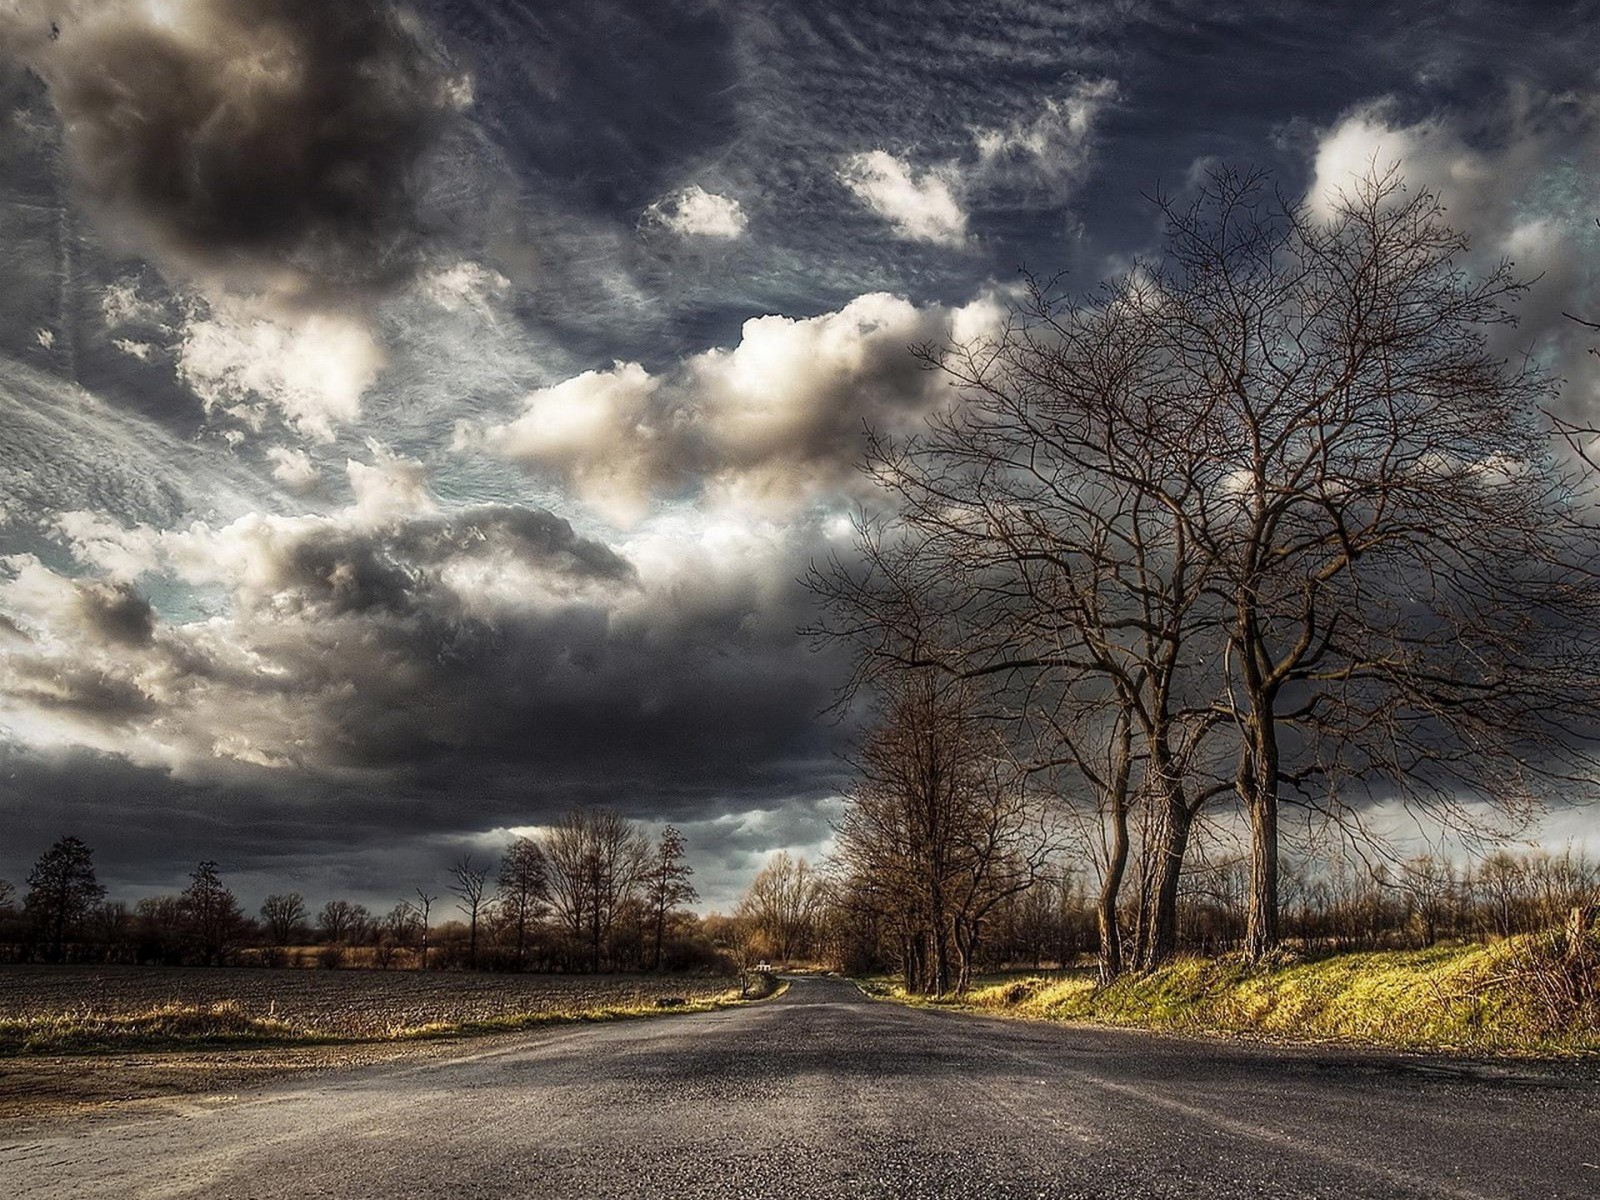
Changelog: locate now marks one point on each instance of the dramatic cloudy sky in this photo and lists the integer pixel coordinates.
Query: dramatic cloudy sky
(413, 420)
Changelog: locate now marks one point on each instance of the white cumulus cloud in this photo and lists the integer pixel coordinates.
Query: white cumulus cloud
(694, 212)
(310, 367)
(770, 423)
(921, 206)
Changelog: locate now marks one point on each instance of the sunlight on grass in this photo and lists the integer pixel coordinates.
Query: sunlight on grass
(1477, 998)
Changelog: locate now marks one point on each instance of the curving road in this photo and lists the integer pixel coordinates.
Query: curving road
(824, 1093)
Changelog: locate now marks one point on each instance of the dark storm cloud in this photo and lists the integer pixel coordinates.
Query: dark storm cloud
(245, 139)
(116, 612)
(409, 731)
(394, 567)
(487, 643)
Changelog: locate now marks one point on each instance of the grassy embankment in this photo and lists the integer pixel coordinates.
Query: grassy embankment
(1525, 995)
(227, 1025)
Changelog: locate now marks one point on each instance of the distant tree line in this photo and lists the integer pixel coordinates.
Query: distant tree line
(588, 893)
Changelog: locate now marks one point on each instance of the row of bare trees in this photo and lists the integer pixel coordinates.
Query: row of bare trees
(588, 892)
(1267, 521)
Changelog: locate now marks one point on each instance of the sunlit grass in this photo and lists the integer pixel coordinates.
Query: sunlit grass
(1469, 998)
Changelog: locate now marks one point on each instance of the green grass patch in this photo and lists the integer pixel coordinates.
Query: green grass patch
(1498, 999)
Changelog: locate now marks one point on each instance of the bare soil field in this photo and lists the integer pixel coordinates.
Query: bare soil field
(355, 1010)
(339, 1004)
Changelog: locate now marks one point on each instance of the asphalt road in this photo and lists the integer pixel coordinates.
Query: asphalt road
(824, 1093)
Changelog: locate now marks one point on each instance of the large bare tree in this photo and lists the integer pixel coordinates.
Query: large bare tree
(1401, 554)
(1262, 517)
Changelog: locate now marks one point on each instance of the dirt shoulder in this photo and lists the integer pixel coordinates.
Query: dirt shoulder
(35, 1086)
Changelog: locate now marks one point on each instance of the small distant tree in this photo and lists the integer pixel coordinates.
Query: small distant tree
(470, 888)
(62, 892)
(212, 918)
(285, 916)
(158, 926)
(667, 883)
(524, 888)
(111, 926)
(342, 921)
(596, 859)
(424, 912)
(396, 930)
(7, 893)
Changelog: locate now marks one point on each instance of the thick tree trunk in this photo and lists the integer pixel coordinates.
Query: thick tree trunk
(1261, 928)
(1160, 921)
(1258, 783)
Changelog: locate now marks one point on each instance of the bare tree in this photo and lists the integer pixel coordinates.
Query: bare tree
(211, 916)
(1398, 553)
(666, 884)
(342, 921)
(424, 910)
(939, 830)
(783, 904)
(597, 860)
(523, 890)
(396, 930)
(470, 888)
(1262, 517)
(285, 916)
(62, 892)
(1042, 537)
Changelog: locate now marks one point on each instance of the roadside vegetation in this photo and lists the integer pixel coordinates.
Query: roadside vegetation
(1529, 994)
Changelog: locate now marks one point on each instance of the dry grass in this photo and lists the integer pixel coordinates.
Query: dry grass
(1520, 996)
(72, 1010)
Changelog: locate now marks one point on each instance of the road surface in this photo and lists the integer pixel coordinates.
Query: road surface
(824, 1093)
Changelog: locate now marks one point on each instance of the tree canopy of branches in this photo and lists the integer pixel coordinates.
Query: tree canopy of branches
(285, 916)
(524, 889)
(597, 860)
(1263, 520)
(341, 921)
(470, 887)
(211, 914)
